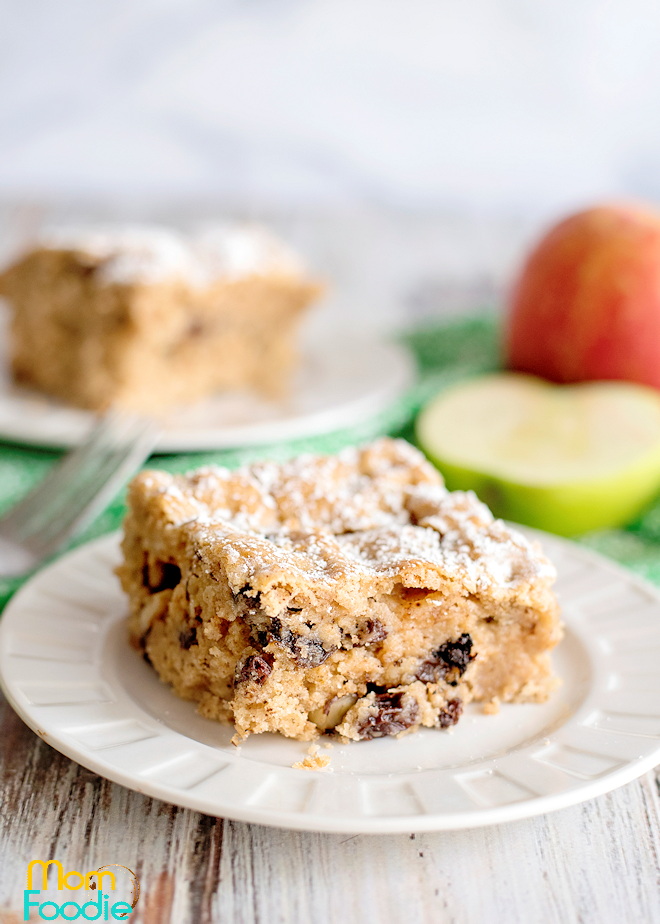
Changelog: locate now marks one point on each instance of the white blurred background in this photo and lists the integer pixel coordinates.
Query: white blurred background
(435, 137)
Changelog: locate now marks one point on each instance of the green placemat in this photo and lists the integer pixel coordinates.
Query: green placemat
(446, 352)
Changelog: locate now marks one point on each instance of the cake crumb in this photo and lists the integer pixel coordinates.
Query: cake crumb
(313, 760)
(492, 707)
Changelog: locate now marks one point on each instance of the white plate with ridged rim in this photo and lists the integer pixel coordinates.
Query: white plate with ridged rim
(344, 378)
(67, 669)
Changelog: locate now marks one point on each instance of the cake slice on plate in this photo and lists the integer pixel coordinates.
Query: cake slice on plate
(145, 318)
(349, 593)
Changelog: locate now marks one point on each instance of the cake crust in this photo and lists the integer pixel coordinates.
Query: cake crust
(349, 593)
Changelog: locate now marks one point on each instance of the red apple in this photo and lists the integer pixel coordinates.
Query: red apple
(586, 305)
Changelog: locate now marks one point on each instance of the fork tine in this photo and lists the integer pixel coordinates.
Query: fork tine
(60, 475)
(56, 503)
(91, 496)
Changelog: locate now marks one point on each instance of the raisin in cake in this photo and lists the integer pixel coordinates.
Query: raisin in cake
(146, 318)
(351, 593)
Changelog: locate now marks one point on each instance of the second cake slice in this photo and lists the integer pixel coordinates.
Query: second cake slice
(145, 318)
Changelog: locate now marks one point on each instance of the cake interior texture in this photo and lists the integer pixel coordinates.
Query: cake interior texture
(350, 594)
(145, 319)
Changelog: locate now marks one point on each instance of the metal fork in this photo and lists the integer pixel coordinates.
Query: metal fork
(73, 492)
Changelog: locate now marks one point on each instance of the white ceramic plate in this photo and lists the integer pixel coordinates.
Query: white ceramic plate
(67, 669)
(344, 378)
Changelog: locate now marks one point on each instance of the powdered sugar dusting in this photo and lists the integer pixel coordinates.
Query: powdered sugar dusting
(382, 509)
(150, 254)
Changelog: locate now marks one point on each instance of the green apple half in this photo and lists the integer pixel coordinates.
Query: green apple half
(564, 458)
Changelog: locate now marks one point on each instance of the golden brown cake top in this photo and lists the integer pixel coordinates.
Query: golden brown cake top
(377, 511)
(147, 254)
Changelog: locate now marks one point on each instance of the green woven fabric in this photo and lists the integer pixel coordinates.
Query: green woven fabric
(446, 352)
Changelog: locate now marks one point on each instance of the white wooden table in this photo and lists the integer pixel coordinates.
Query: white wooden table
(595, 863)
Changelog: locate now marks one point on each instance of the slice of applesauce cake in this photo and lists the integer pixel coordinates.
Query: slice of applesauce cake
(350, 594)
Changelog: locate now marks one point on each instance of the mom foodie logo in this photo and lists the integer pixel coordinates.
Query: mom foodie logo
(100, 908)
